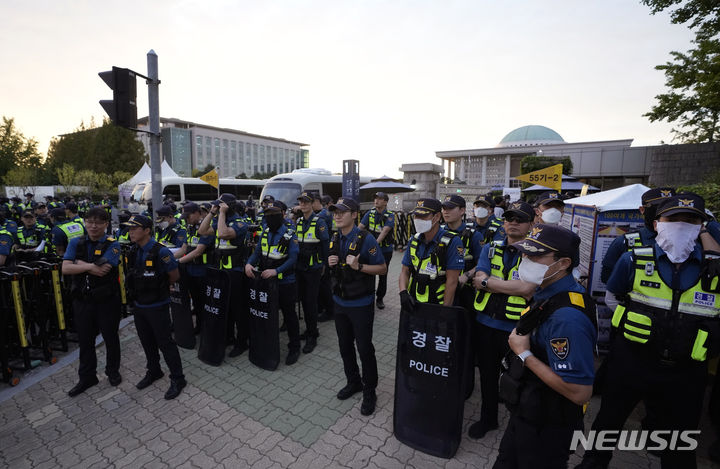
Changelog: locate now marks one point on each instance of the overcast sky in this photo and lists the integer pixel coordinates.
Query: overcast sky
(385, 82)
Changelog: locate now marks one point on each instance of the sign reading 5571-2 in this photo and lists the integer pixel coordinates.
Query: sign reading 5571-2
(549, 177)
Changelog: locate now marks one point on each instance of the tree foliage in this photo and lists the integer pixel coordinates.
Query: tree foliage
(201, 172)
(15, 149)
(533, 163)
(703, 15)
(708, 189)
(694, 100)
(103, 150)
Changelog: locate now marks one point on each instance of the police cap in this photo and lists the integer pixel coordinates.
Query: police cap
(452, 201)
(345, 204)
(685, 202)
(543, 239)
(139, 220)
(657, 195)
(548, 197)
(522, 210)
(427, 206)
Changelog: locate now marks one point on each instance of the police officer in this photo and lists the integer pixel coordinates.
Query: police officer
(6, 243)
(63, 230)
(499, 300)
(168, 232)
(665, 321)
(313, 237)
(230, 232)
(549, 208)
(71, 213)
(485, 221)
(42, 215)
(92, 262)
(275, 256)
(551, 364)
(106, 203)
(194, 256)
(643, 237)
(122, 233)
(433, 260)
(381, 222)
(266, 202)
(355, 258)
(31, 235)
(325, 300)
(151, 270)
(29, 202)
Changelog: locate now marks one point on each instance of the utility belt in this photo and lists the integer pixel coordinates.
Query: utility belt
(529, 398)
(427, 288)
(97, 293)
(673, 338)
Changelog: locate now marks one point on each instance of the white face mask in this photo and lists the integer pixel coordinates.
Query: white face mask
(552, 216)
(481, 212)
(422, 226)
(533, 272)
(677, 239)
(163, 225)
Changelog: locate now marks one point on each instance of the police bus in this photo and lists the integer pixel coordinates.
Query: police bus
(288, 186)
(196, 190)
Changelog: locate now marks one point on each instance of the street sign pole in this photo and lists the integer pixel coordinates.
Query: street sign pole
(154, 122)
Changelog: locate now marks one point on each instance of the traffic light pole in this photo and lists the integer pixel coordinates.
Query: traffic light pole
(154, 123)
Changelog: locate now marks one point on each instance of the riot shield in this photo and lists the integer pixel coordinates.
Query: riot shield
(430, 378)
(216, 302)
(264, 332)
(181, 316)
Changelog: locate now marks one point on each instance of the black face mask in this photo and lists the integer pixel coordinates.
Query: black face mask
(274, 221)
(649, 216)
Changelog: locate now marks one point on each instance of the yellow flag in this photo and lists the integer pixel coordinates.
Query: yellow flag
(549, 177)
(584, 190)
(211, 177)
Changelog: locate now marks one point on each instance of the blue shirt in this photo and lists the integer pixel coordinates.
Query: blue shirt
(112, 253)
(713, 228)
(510, 259)
(455, 251)
(327, 217)
(58, 236)
(236, 223)
(476, 241)
(623, 275)
(389, 221)
(166, 263)
(6, 244)
(178, 239)
(321, 231)
(287, 268)
(618, 247)
(370, 254)
(576, 363)
(199, 270)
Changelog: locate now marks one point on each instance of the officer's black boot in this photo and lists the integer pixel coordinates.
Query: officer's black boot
(82, 386)
(310, 344)
(368, 403)
(176, 385)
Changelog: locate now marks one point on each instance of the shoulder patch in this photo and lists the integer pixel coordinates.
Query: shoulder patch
(322, 228)
(461, 250)
(295, 241)
(116, 251)
(560, 347)
(166, 259)
(372, 250)
(576, 299)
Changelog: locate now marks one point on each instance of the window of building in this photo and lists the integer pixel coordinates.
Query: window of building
(216, 156)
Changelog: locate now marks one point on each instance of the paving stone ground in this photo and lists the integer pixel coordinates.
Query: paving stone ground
(236, 415)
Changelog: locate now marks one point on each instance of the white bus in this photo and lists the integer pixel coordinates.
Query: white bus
(288, 186)
(197, 190)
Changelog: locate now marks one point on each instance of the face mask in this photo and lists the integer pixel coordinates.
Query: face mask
(552, 216)
(534, 272)
(481, 212)
(422, 226)
(677, 239)
(163, 225)
(274, 221)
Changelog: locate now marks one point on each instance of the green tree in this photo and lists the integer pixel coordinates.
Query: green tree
(66, 176)
(200, 172)
(15, 149)
(532, 163)
(694, 100)
(703, 15)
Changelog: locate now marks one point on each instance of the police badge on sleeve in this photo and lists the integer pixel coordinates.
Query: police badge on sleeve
(560, 347)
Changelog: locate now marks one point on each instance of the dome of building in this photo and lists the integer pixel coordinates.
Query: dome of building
(530, 135)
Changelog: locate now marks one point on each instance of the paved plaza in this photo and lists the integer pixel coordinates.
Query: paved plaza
(235, 415)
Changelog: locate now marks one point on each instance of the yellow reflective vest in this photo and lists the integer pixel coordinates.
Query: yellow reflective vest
(498, 305)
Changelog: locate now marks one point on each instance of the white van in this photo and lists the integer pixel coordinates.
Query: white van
(198, 191)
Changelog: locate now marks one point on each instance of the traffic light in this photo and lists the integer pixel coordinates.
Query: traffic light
(122, 110)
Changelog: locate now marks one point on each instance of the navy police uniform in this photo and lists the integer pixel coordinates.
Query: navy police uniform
(375, 221)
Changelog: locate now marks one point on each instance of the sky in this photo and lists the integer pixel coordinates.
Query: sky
(384, 82)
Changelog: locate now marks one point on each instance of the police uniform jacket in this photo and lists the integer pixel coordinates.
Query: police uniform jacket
(369, 253)
(286, 270)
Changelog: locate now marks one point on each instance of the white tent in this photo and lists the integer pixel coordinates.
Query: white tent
(622, 198)
(166, 171)
(143, 174)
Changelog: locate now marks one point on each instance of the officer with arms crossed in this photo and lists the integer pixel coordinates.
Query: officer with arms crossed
(666, 322)
(151, 270)
(433, 260)
(92, 262)
(380, 222)
(551, 372)
(499, 300)
(275, 256)
(355, 258)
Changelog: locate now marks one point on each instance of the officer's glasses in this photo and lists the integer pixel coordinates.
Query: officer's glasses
(515, 219)
(94, 222)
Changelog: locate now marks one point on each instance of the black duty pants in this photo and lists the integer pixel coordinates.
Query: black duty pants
(325, 300)
(238, 330)
(91, 318)
(354, 326)
(524, 445)
(153, 328)
(196, 287)
(492, 345)
(673, 395)
(382, 279)
(308, 283)
(288, 307)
